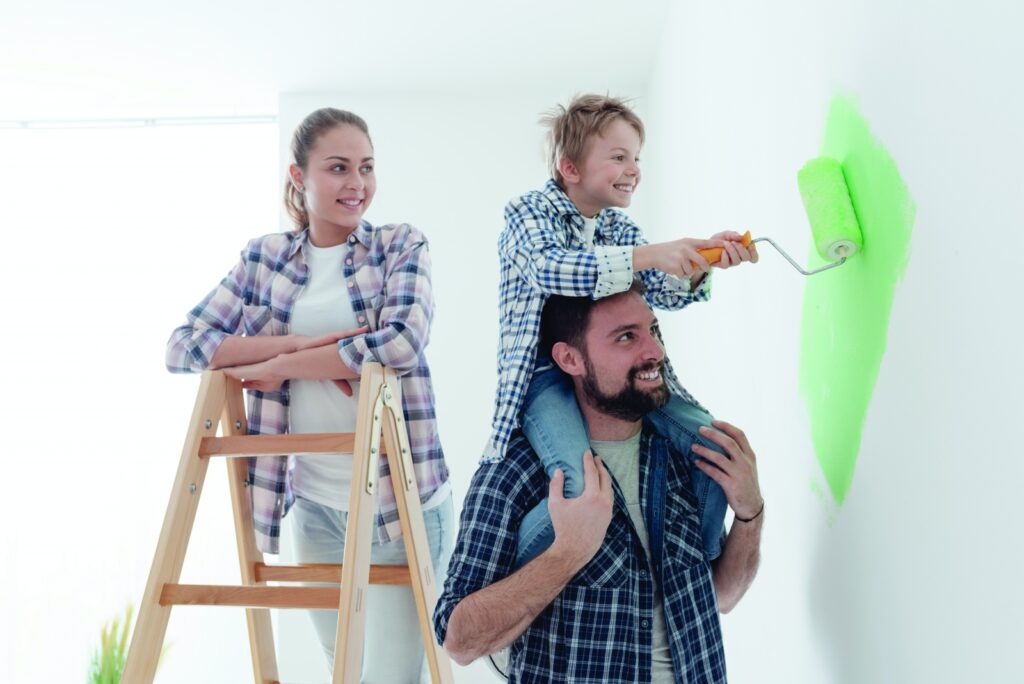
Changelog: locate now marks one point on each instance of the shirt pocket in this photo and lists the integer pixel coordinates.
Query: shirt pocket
(257, 318)
(609, 568)
(682, 544)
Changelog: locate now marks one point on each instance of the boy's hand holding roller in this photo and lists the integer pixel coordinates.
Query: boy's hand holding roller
(690, 257)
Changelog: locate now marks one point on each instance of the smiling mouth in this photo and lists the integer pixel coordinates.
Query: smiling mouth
(352, 203)
(649, 376)
(624, 187)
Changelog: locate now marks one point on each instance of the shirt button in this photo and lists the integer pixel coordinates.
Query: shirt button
(643, 573)
(348, 261)
(351, 283)
(362, 319)
(645, 624)
(352, 239)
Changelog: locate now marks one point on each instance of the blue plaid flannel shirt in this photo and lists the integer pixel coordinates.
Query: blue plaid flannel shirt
(597, 630)
(542, 252)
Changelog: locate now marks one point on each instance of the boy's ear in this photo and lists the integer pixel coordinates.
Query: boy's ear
(568, 169)
(568, 358)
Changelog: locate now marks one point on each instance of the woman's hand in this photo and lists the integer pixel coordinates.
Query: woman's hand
(262, 376)
(318, 361)
(312, 342)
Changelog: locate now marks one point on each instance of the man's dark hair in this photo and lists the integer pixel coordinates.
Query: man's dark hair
(565, 319)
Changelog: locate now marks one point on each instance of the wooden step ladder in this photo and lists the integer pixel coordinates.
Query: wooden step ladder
(220, 401)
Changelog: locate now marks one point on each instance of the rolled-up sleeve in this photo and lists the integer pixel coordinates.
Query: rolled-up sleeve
(663, 291)
(192, 345)
(403, 323)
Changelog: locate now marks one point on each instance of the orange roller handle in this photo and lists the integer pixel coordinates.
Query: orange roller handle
(714, 254)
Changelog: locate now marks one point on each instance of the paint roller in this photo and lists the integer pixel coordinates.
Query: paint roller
(834, 225)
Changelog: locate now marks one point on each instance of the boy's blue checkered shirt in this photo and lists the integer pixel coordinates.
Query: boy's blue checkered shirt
(598, 629)
(542, 252)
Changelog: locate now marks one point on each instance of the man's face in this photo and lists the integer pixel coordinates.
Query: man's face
(624, 359)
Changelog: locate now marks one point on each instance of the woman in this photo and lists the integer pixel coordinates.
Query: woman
(296, 319)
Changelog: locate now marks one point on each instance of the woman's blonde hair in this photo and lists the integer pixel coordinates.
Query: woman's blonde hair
(303, 140)
(569, 128)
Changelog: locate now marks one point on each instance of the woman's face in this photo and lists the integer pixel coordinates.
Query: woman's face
(339, 179)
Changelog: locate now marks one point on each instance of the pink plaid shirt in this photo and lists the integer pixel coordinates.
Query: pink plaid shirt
(387, 270)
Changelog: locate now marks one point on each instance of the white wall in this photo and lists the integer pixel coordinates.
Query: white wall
(916, 577)
(111, 235)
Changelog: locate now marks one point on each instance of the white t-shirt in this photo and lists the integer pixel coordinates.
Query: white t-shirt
(322, 307)
(623, 461)
(589, 228)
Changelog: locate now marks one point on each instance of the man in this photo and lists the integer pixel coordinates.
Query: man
(626, 592)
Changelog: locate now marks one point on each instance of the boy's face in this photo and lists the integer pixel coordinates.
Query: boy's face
(609, 172)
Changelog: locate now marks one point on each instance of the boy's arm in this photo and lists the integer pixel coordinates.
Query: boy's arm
(663, 290)
(531, 245)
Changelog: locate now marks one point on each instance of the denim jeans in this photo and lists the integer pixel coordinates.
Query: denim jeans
(393, 647)
(553, 424)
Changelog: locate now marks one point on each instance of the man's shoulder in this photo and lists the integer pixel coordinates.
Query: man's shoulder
(520, 453)
(519, 475)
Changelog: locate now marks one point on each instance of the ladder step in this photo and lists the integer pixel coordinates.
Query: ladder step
(327, 572)
(259, 445)
(250, 597)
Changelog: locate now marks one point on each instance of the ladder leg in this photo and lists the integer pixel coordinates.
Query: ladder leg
(355, 575)
(151, 625)
(261, 633)
(414, 533)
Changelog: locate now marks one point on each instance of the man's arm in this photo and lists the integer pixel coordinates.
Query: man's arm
(493, 617)
(734, 571)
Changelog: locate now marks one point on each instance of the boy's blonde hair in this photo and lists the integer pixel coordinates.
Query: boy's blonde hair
(569, 128)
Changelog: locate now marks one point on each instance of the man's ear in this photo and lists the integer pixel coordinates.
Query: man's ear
(569, 172)
(568, 358)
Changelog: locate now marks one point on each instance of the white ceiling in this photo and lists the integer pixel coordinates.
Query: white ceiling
(64, 59)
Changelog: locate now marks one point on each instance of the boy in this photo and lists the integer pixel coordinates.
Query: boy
(568, 239)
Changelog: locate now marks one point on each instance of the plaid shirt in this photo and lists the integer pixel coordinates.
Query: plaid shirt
(388, 273)
(598, 629)
(542, 252)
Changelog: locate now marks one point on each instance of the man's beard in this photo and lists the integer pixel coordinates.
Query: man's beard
(630, 403)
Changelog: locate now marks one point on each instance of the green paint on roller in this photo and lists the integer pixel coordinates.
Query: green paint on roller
(846, 311)
(829, 209)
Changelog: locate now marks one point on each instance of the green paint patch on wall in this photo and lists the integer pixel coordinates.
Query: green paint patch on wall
(846, 310)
